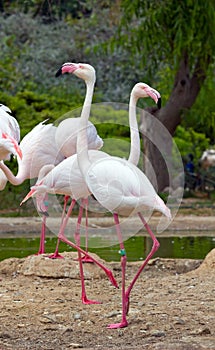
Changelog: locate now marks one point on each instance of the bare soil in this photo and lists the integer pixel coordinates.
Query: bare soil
(171, 307)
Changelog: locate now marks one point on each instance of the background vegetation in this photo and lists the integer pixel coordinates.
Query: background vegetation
(37, 36)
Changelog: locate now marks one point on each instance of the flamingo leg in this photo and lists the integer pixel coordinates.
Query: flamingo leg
(66, 198)
(84, 298)
(155, 247)
(43, 229)
(85, 259)
(108, 272)
(62, 237)
(123, 322)
(42, 237)
(65, 218)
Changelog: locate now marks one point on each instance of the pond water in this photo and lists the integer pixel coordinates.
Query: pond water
(192, 247)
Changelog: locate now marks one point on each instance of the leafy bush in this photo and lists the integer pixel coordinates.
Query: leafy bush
(190, 141)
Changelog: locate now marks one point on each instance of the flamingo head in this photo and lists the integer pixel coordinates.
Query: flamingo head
(36, 190)
(6, 109)
(141, 90)
(81, 70)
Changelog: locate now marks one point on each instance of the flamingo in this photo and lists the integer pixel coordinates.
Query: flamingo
(9, 134)
(67, 179)
(66, 136)
(66, 139)
(118, 185)
(39, 148)
(10, 129)
(3, 180)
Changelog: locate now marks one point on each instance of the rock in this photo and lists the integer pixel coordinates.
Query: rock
(208, 264)
(179, 321)
(202, 331)
(184, 266)
(157, 333)
(43, 266)
(77, 316)
(10, 266)
(75, 345)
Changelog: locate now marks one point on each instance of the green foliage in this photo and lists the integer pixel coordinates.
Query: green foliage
(190, 141)
(31, 52)
(30, 107)
(165, 30)
(11, 196)
(202, 114)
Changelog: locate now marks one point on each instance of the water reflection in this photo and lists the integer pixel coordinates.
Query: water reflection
(136, 247)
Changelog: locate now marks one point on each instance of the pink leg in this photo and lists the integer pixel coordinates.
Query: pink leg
(66, 198)
(108, 272)
(84, 298)
(56, 254)
(62, 237)
(85, 259)
(42, 237)
(123, 322)
(155, 247)
(43, 229)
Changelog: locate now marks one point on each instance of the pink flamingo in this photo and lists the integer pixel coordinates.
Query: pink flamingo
(86, 72)
(9, 134)
(118, 185)
(39, 149)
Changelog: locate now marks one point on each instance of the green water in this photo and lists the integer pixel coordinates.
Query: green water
(136, 247)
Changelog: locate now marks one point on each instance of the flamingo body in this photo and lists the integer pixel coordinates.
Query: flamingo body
(11, 123)
(66, 136)
(38, 148)
(9, 134)
(122, 188)
(65, 178)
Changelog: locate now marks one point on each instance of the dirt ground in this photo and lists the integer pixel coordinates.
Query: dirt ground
(168, 309)
(171, 307)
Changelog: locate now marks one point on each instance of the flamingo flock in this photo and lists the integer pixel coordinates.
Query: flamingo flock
(68, 161)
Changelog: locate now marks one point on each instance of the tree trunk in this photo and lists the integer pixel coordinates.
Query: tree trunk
(157, 136)
(157, 143)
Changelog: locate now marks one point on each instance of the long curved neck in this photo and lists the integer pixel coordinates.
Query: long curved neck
(82, 144)
(134, 131)
(14, 180)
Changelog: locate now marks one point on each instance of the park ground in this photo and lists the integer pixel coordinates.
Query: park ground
(171, 306)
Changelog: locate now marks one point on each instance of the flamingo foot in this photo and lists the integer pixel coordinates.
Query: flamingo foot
(118, 325)
(40, 252)
(88, 301)
(56, 255)
(87, 259)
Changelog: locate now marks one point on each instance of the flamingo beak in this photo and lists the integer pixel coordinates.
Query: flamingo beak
(155, 95)
(159, 103)
(67, 68)
(18, 150)
(59, 72)
(29, 195)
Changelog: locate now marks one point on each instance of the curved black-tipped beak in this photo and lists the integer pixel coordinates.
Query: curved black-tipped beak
(159, 103)
(59, 72)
